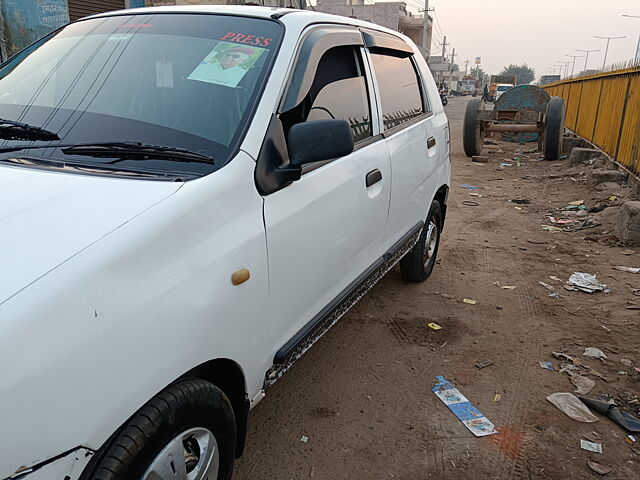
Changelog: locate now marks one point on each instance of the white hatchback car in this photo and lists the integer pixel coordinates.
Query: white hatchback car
(190, 197)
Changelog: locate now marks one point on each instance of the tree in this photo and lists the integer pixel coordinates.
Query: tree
(524, 73)
(482, 75)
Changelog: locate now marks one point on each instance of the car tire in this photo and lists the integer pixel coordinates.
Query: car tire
(554, 128)
(472, 137)
(189, 427)
(416, 266)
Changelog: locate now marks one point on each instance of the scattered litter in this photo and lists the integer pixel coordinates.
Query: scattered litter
(490, 142)
(551, 228)
(497, 397)
(626, 361)
(577, 203)
(598, 467)
(547, 365)
(614, 412)
(518, 208)
(593, 436)
(469, 187)
(484, 364)
(434, 326)
(554, 295)
(583, 384)
(535, 242)
(521, 202)
(590, 446)
(553, 277)
(474, 194)
(546, 285)
(628, 252)
(630, 439)
(563, 157)
(469, 301)
(571, 406)
(469, 415)
(508, 287)
(304, 439)
(469, 203)
(585, 282)
(504, 164)
(628, 269)
(594, 353)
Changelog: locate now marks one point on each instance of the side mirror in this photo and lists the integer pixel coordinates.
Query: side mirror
(319, 140)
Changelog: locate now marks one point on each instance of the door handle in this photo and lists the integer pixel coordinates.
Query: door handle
(373, 177)
(431, 142)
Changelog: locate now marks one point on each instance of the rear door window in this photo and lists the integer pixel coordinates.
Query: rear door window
(399, 86)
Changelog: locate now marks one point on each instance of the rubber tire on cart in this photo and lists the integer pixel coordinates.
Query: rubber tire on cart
(418, 263)
(472, 137)
(554, 128)
(191, 407)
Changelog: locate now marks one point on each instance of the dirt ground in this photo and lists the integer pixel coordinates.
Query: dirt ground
(362, 395)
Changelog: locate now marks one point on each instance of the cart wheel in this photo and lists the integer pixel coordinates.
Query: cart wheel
(554, 128)
(472, 137)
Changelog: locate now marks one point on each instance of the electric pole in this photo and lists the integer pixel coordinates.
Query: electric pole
(573, 66)
(587, 56)
(638, 47)
(444, 46)
(453, 57)
(466, 67)
(608, 39)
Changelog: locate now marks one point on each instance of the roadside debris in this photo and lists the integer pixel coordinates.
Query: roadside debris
(521, 201)
(593, 436)
(598, 467)
(585, 282)
(469, 187)
(482, 365)
(304, 439)
(470, 203)
(628, 269)
(577, 203)
(590, 446)
(546, 285)
(469, 301)
(583, 384)
(594, 353)
(547, 366)
(469, 415)
(434, 326)
(571, 406)
(497, 397)
(614, 412)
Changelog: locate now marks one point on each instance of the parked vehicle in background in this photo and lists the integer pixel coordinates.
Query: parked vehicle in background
(505, 82)
(544, 79)
(470, 86)
(191, 197)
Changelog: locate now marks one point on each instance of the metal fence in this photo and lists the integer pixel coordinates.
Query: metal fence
(605, 110)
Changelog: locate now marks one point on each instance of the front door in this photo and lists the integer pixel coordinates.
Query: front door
(326, 229)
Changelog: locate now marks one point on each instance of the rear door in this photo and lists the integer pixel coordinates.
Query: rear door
(326, 229)
(410, 136)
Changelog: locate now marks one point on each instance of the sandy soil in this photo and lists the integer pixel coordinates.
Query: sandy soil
(363, 396)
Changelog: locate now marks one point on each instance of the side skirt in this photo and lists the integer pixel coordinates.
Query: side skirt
(329, 316)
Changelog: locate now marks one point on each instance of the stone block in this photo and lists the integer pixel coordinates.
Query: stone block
(600, 175)
(569, 143)
(580, 155)
(480, 159)
(628, 226)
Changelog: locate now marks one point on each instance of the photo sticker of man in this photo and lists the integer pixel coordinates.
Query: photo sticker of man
(225, 66)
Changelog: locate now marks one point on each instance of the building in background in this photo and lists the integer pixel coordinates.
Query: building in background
(393, 15)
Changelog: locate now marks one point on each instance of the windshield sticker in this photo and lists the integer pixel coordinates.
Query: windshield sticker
(226, 64)
(164, 74)
(247, 39)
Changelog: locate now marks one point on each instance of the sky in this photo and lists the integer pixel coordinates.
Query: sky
(539, 32)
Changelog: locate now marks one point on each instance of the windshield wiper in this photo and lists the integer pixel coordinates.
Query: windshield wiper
(134, 151)
(122, 151)
(11, 130)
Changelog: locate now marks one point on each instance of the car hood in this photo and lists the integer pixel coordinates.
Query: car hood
(48, 217)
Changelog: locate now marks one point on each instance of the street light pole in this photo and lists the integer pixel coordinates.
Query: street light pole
(638, 47)
(608, 39)
(587, 56)
(566, 68)
(573, 66)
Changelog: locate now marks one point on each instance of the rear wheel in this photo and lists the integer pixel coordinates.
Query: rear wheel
(554, 128)
(418, 263)
(186, 432)
(472, 137)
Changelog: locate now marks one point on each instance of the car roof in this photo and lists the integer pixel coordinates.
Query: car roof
(289, 16)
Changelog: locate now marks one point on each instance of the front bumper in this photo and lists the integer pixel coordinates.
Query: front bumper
(68, 467)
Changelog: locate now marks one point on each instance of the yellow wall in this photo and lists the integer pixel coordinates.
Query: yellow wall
(605, 109)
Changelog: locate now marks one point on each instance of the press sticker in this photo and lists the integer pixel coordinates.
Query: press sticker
(226, 64)
(164, 74)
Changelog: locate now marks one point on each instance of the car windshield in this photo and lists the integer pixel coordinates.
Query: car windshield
(188, 81)
(504, 88)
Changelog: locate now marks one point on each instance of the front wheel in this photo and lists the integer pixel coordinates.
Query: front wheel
(418, 263)
(186, 432)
